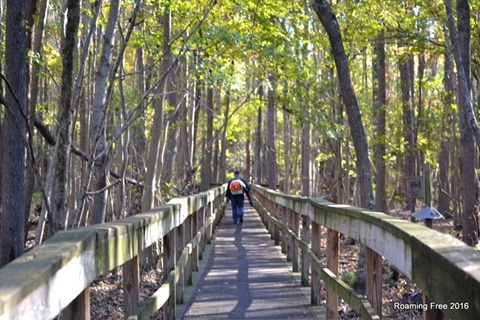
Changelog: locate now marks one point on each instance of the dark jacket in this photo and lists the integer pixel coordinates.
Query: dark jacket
(246, 189)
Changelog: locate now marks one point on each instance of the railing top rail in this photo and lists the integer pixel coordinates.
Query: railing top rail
(446, 269)
(34, 284)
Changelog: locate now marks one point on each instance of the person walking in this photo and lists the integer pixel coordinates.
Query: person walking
(236, 189)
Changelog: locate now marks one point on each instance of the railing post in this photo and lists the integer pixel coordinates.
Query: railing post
(332, 265)
(282, 216)
(131, 285)
(288, 239)
(79, 308)
(316, 282)
(208, 214)
(374, 280)
(195, 253)
(295, 251)
(200, 224)
(180, 243)
(305, 235)
(170, 261)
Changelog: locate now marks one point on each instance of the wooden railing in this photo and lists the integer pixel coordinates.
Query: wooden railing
(447, 270)
(55, 277)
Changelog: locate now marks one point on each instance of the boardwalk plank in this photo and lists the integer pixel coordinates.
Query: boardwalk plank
(247, 277)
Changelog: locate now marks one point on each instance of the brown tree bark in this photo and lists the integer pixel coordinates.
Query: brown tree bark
(379, 111)
(271, 130)
(444, 161)
(65, 118)
(154, 164)
(306, 156)
(98, 134)
(206, 172)
(469, 129)
(34, 92)
(257, 163)
(406, 84)
(330, 23)
(12, 220)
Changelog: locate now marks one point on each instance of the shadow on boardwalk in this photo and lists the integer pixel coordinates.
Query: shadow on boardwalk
(246, 277)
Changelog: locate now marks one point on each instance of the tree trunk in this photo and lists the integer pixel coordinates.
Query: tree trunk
(138, 145)
(469, 129)
(206, 173)
(223, 154)
(330, 23)
(184, 166)
(306, 153)
(32, 105)
(444, 162)
(287, 149)
(406, 80)
(172, 122)
(258, 178)
(98, 138)
(12, 220)
(64, 140)
(271, 155)
(154, 164)
(379, 110)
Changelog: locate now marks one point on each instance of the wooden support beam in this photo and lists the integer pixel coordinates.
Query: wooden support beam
(131, 286)
(332, 265)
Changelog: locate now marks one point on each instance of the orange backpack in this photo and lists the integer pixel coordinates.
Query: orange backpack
(236, 187)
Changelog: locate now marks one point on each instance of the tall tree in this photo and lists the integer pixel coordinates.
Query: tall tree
(406, 83)
(469, 130)
(379, 105)
(329, 21)
(206, 172)
(59, 193)
(33, 95)
(154, 164)
(99, 112)
(257, 175)
(12, 221)
(271, 131)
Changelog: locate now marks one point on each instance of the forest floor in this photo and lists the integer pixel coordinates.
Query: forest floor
(107, 299)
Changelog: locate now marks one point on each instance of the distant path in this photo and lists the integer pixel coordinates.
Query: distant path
(247, 277)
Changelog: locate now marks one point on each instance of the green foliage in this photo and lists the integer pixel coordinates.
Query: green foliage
(349, 278)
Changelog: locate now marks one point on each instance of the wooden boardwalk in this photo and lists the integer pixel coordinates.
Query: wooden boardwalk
(245, 276)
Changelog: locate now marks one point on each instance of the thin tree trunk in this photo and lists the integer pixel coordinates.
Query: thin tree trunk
(98, 138)
(183, 164)
(206, 172)
(154, 161)
(444, 197)
(258, 178)
(271, 131)
(287, 150)
(379, 106)
(223, 154)
(63, 145)
(171, 143)
(34, 92)
(406, 79)
(137, 149)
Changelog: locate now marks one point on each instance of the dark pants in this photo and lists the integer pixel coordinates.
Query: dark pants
(237, 207)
